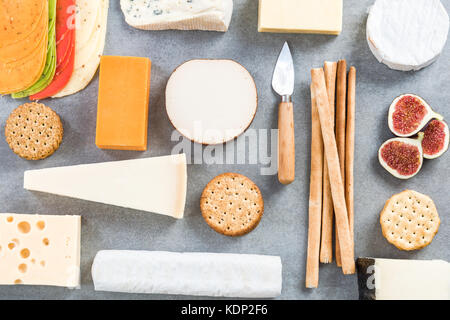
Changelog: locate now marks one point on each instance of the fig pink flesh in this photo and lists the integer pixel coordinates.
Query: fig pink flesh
(408, 115)
(402, 157)
(434, 139)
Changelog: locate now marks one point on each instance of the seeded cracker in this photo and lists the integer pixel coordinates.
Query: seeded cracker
(33, 131)
(232, 204)
(409, 220)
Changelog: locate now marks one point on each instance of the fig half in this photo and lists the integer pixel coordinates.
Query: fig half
(402, 157)
(409, 114)
(436, 139)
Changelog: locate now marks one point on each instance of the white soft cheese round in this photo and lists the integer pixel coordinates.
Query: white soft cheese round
(407, 34)
(211, 101)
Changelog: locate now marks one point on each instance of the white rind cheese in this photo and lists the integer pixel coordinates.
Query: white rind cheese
(211, 101)
(155, 185)
(213, 15)
(407, 34)
(199, 274)
(40, 250)
(412, 279)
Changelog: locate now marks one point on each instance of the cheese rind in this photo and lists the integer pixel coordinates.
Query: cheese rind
(407, 34)
(200, 274)
(155, 185)
(123, 94)
(213, 15)
(300, 16)
(40, 250)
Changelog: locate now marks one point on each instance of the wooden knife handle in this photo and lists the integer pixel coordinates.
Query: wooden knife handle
(286, 143)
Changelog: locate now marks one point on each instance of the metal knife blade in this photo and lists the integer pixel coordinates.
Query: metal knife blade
(283, 76)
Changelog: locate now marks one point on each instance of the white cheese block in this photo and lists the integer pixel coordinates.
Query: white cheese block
(213, 15)
(300, 16)
(40, 250)
(211, 101)
(407, 34)
(91, 20)
(412, 279)
(155, 185)
(196, 274)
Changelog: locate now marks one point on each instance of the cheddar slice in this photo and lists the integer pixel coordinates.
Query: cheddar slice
(19, 75)
(50, 64)
(122, 113)
(21, 49)
(300, 16)
(40, 250)
(19, 19)
(155, 185)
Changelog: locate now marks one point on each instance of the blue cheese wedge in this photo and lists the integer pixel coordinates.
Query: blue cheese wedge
(212, 15)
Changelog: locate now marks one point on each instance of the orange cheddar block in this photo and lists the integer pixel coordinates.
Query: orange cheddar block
(123, 94)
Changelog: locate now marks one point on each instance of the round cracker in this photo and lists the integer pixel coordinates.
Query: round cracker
(232, 204)
(409, 220)
(34, 131)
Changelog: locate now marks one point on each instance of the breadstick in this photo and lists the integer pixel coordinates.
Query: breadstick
(315, 199)
(326, 246)
(350, 148)
(332, 158)
(341, 94)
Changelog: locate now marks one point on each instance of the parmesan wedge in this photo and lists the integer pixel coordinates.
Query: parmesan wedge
(92, 16)
(155, 185)
(213, 15)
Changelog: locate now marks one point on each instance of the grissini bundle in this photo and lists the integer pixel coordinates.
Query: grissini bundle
(337, 186)
(315, 198)
(341, 94)
(350, 148)
(326, 246)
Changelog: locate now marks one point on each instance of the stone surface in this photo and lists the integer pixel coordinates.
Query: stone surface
(283, 228)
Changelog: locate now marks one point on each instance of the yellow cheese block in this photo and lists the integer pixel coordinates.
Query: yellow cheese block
(122, 113)
(40, 250)
(300, 16)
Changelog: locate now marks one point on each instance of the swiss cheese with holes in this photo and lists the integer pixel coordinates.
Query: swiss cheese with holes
(40, 250)
(410, 220)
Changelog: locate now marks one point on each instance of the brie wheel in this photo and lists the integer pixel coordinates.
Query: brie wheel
(211, 101)
(407, 34)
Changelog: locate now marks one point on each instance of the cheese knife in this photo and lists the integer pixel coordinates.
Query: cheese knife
(283, 84)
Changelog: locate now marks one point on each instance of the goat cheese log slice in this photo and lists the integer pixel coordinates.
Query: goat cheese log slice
(195, 274)
(211, 101)
(407, 34)
(212, 15)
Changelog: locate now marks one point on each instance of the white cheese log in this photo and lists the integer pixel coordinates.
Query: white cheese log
(213, 15)
(407, 34)
(196, 274)
(155, 185)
